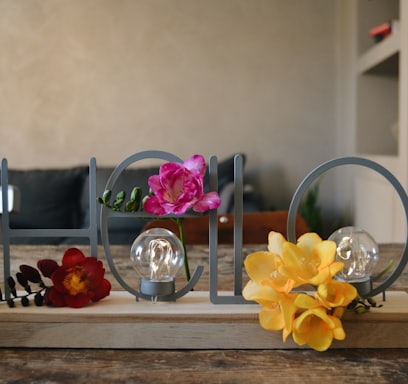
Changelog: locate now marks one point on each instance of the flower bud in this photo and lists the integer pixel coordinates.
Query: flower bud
(12, 285)
(25, 302)
(38, 300)
(47, 266)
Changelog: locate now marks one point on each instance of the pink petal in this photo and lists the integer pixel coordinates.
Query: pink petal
(210, 200)
(169, 168)
(174, 182)
(196, 164)
(154, 183)
(152, 205)
(178, 209)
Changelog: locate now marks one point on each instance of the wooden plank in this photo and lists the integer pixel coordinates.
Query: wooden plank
(84, 366)
(190, 323)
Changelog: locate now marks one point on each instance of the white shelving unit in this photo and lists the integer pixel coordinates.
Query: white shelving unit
(381, 116)
(382, 55)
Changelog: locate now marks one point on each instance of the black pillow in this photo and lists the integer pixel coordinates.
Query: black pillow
(130, 178)
(49, 197)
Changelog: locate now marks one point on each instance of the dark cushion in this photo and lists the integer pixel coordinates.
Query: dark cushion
(124, 230)
(49, 197)
(59, 198)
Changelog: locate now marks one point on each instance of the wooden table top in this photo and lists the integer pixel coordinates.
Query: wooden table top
(196, 366)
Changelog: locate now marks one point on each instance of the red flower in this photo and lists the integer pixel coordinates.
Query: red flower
(78, 281)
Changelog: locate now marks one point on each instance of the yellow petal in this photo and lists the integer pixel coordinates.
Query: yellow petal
(315, 328)
(271, 318)
(275, 242)
(306, 301)
(308, 241)
(259, 293)
(336, 293)
(338, 331)
(323, 276)
(288, 308)
(336, 267)
(260, 265)
(338, 312)
(296, 263)
(285, 333)
(320, 339)
(326, 250)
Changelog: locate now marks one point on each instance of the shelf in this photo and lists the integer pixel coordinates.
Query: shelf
(190, 323)
(382, 57)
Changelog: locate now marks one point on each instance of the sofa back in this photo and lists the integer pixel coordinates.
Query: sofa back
(59, 198)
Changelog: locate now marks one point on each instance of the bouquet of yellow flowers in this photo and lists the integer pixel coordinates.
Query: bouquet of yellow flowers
(276, 277)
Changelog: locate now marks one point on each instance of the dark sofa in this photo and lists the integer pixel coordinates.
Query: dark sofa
(58, 198)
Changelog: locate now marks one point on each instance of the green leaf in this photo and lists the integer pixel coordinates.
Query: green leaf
(106, 196)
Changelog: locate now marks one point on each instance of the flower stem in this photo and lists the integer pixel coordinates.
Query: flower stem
(183, 241)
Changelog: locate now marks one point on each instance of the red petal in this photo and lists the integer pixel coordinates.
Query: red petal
(53, 297)
(94, 271)
(58, 279)
(72, 256)
(103, 290)
(77, 301)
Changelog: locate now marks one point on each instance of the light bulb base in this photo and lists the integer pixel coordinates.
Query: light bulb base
(157, 288)
(363, 287)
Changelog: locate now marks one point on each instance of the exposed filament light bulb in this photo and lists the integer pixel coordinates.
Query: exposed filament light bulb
(358, 251)
(157, 255)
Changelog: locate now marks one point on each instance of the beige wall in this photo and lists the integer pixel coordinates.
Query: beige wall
(108, 78)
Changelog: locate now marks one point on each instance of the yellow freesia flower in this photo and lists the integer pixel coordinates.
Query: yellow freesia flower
(336, 294)
(317, 329)
(311, 319)
(322, 254)
(310, 261)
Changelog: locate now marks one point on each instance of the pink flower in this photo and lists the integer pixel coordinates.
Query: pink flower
(179, 187)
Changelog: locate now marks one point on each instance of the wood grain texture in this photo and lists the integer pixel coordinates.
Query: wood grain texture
(198, 255)
(219, 365)
(191, 323)
(84, 366)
